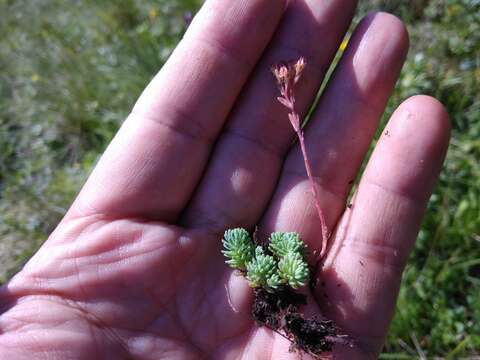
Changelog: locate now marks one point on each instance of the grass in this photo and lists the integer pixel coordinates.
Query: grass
(71, 72)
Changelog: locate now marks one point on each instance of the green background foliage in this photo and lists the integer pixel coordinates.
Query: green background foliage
(70, 72)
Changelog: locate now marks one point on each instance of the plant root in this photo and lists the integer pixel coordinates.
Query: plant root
(279, 311)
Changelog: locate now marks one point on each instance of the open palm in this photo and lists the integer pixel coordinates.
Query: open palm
(134, 270)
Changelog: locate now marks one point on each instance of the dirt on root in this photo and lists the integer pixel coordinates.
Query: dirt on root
(279, 311)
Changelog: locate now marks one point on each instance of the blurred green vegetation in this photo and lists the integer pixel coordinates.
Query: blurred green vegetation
(72, 70)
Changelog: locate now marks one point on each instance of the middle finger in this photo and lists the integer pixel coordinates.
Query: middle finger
(245, 165)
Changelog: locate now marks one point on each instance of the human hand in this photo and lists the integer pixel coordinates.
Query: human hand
(134, 270)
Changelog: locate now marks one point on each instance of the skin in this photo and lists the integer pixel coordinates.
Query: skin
(134, 270)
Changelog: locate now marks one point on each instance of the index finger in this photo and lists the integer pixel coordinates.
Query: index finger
(155, 161)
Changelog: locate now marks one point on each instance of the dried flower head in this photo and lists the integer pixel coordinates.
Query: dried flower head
(281, 73)
(289, 73)
(299, 66)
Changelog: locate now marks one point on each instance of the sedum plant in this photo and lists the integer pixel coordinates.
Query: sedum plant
(293, 270)
(262, 270)
(282, 243)
(281, 263)
(238, 248)
(276, 269)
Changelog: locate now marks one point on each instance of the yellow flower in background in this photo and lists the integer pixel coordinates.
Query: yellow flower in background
(153, 13)
(454, 9)
(344, 44)
(35, 77)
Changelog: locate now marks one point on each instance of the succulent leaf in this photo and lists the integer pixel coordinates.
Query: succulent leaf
(293, 270)
(274, 281)
(262, 270)
(282, 243)
(238, 248)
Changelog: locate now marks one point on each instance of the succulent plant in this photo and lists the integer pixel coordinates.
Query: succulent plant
(262, 270)
(281, 243)
(283, 264)
(238, 248)
(293, 270)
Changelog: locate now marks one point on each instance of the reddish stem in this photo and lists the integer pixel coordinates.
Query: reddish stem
(287, 76)
(313, 185)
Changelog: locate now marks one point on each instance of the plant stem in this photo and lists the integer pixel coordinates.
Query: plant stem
(313, 184)
(287, 76)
